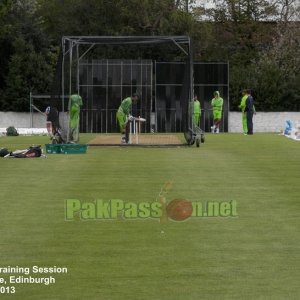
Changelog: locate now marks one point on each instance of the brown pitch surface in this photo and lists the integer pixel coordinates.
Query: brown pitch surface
(143, 139)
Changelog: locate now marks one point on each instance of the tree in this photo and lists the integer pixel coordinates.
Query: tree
(31, 33)
(33, 76)
(277, 70)
(28, 56)
(101, 17)
(263, 56)
(5, 32)
(287, 10)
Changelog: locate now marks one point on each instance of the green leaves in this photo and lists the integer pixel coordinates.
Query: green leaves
(262, 56)
(25, 56)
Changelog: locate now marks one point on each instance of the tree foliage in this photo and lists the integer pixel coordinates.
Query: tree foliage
(258, 38)
(27, 65)
(261, 44)
(276, 73)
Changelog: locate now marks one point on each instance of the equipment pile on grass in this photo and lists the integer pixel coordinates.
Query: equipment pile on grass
(31, 152)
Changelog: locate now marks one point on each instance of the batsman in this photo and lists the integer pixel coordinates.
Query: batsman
(123, 115)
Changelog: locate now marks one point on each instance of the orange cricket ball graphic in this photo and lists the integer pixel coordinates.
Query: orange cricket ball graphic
(179, 209)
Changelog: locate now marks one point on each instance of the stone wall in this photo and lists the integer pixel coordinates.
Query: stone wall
(263, 121)
(22, 120)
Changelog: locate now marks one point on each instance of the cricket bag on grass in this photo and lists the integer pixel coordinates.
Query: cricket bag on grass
(3, 152)
(32, 151)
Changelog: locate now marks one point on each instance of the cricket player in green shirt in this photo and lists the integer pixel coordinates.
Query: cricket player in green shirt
(124, 111)
(217, 107)
(75, 102)
(242, 107)
(196, 111)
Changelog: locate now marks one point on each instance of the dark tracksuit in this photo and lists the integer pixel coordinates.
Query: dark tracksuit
(250, 111)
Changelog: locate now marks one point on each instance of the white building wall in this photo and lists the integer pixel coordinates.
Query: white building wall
(263, 121)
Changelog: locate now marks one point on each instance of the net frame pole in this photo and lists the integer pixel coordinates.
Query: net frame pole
(31, 110)
(155, 102)
(106, 99)
(63, 77)
(77, 70)
(191, 79)
(70, 67)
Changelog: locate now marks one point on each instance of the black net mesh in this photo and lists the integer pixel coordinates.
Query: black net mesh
(103, 83)
(56, 90)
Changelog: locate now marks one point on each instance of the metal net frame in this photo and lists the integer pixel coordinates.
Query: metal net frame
(75, 48)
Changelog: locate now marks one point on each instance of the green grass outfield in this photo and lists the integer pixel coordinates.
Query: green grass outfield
(253, 256)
